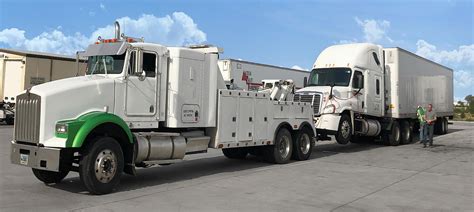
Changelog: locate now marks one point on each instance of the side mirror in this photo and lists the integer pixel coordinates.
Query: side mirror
(305, 82)
(142, 75)
(360, 82)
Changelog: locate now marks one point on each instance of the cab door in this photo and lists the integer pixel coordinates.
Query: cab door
(358, 91)
(141, 85)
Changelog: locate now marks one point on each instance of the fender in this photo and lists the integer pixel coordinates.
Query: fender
(79, 129)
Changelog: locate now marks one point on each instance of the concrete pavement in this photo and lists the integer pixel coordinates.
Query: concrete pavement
(355, 177)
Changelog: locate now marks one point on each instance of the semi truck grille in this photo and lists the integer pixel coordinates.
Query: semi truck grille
(27, 118)
(314, 99)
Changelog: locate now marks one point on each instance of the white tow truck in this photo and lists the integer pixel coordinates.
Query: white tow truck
(142, 104)
(363, 91)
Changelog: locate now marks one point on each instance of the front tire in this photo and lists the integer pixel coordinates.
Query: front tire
(303, 144)
(280, 152)
(344, 131)
(49, 177)
(101, 165)
(393, 138)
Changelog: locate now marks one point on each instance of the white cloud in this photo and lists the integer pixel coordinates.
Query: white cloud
(464, 79)
(463, 54)
(374, 30)
(176, 29)
(102, 6)
(299, 68)
(91, 13)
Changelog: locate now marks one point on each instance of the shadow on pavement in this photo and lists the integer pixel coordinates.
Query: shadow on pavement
(197, 168)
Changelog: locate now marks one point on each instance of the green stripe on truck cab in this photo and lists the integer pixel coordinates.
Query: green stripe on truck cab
(79, 129)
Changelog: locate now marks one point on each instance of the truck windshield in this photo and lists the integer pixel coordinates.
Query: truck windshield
(330, 76)
(105, 64)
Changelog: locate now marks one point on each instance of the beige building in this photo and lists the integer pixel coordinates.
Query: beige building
(20, 70)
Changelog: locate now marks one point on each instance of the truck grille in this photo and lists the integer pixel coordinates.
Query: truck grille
(27, 118)
(314, 99)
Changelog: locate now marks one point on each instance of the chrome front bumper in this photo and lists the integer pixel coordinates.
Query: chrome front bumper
(35, 157)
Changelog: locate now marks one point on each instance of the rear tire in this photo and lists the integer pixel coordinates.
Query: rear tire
(344, 131)
(10, 121)
(406, 132)
(235, 153)
(280, 152)
(393, 138)
(303, 144)
(101, 165)
(49, 177)
(444, 126)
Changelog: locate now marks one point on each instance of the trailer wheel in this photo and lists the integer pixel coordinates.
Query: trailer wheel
(344, 131)
(406, 132)
(281, 151)
(443, 126)
(235, 153)
(10, 120)
(393, 138)
(49, 177)
(445, 122)
(303, 144)
(101, 165)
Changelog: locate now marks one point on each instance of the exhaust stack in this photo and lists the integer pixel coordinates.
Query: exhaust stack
(117, 30)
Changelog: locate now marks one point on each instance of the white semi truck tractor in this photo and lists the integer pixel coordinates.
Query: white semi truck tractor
(364, 91)
(143, 104)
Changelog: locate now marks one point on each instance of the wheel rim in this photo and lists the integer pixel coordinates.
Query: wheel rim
(284, 146)
(345, 129)
(105, 166)
(305, 143)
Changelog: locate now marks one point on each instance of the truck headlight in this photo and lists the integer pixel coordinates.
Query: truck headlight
(61, 128)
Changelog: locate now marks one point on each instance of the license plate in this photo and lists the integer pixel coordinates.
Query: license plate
(24, 159)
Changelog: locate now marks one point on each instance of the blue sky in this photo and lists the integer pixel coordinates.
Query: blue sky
(285, 33)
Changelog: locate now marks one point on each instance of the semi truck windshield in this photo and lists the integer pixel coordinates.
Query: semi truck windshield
(105, 64)
(330, 76)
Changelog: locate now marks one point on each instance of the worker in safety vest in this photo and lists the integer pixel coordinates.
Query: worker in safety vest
(421, 114)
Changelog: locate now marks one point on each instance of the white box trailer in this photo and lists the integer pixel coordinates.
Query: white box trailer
(249, 75)
(363, 91)
(413, 80)
(20, 70)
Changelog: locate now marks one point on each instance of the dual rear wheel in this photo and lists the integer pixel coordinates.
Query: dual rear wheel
(297, 146)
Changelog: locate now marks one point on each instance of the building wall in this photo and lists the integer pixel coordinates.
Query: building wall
(5, 57)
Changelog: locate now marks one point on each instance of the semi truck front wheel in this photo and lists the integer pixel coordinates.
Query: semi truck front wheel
(101, 165)
(344, 131)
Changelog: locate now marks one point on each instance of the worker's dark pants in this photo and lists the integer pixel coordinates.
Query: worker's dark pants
(430, 133)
